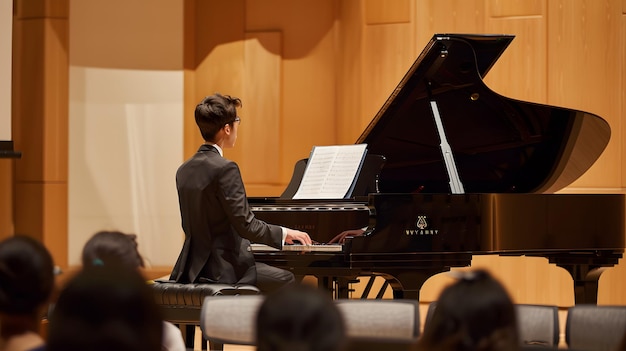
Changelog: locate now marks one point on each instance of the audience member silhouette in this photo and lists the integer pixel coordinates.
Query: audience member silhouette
(26, 284)
(299, 318)
(107, 248)
(474, 313)
(112, 247)
(106, 308)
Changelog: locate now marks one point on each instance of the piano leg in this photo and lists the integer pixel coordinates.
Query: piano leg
(342, 287)
(585, 282)
(406, 284)
(406, 273)
(326, 284)
(335, 287)
(586, 271)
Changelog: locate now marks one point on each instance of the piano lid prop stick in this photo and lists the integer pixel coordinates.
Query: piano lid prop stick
(456, 187)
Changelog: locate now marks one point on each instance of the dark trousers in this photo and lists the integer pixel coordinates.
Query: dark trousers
(269, 279)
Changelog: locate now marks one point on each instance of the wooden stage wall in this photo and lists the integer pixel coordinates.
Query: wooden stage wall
(316, 73)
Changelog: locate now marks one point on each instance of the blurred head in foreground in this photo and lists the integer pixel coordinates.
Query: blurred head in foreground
(105, 308)
(26, 284)
(474, 313)
(112, 247)
(299, 318)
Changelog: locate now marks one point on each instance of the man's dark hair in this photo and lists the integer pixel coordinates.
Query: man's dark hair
(214, 112)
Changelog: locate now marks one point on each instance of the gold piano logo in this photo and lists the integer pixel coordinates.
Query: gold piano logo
(422, 228)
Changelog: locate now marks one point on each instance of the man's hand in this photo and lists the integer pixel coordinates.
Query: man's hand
(296, 235)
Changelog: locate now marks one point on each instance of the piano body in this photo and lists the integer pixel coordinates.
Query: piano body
(455, 170)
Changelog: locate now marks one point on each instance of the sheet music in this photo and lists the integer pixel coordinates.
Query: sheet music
(331, 171)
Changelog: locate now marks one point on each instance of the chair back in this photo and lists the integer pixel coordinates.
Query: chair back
(538, 324)
(380, 319)
(593, 327)
(230, 319)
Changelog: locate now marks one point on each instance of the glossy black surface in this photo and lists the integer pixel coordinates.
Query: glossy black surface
(500, 145)
(493, 223)
(322, 220)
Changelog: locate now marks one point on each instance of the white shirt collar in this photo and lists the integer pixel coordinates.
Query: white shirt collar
(219, 149)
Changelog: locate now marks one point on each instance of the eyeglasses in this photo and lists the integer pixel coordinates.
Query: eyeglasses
(237, 119)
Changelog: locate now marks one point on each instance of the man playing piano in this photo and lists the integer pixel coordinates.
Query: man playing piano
(216, 218)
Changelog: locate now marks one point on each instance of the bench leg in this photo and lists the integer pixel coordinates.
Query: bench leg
(189, 334)
(215, 346)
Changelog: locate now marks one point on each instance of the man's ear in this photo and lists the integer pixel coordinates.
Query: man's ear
(227, 129)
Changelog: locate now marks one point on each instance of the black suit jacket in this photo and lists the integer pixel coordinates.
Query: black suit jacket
(217, 222)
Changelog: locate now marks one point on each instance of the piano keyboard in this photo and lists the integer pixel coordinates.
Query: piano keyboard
(298, 247)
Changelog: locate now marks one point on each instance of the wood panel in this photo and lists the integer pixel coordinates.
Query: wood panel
(372, 60)
(41, 98)
(42, 8)
(623, 90)
(307, 82)
(613, 285)
(259, 135)
(350, 115)
(301, 91)
(583, 61)
(142, 38)
(388, 52)
(375, 56)
(41, 212)
(6, 198)
(28, 41)
(613, 281)
(448, 16)
(214, 63)
(379, 12)
(191, 135)
(521, 71)
(40, 115)
(516, 8)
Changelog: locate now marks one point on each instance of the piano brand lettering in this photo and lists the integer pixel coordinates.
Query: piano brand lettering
(304, 227)
(421, 232)
(422, 226)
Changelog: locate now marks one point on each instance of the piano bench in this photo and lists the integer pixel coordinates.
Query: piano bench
(181, 304)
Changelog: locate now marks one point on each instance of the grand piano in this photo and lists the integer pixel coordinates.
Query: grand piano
(456, 170)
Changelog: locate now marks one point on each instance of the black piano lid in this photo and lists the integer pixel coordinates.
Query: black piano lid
(500, 145)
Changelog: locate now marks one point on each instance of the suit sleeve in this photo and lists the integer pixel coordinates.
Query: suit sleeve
(235, 202)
